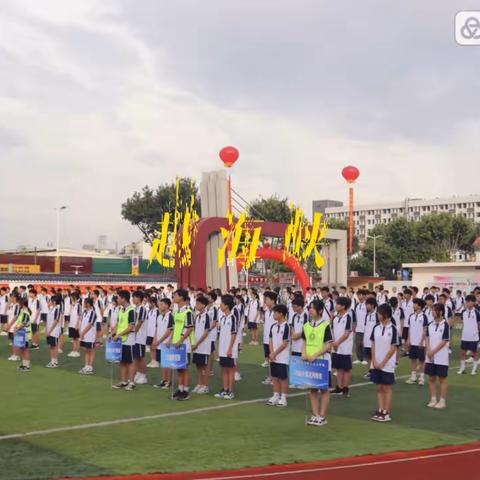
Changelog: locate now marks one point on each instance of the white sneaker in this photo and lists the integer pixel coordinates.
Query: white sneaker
(265, 364)
(51, 365)
(137, 376)
(203, 389)
(238, 377)
(364, 362)
(3, 333)
(474, 372)
(421, 381)
(441, 404)
(141, 380)
(153, 364)
(74, 354)
(273, 401)
(411, 381)
(469, 360)
(432, 403)
(60, 350)
(461, 371)
(147, 348)
(357, 362)
(196, 389)
(267, 381)
(282, 402)
(13, 358)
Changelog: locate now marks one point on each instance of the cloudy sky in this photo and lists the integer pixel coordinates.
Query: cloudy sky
(99, 98)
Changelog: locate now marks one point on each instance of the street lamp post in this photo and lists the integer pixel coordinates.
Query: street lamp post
(57, 257)
(374, 238)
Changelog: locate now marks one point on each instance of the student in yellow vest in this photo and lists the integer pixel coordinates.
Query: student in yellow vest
(23, 322)
(126, 331)
(318, 342)
(182, 329)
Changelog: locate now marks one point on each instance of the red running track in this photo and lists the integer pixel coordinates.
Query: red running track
(439, 464)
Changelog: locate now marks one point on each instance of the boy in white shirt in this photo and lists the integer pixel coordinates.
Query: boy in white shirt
(34, 306)
(87, 334)
(279, 356)
(270, 300)
(385, 340)
(470, 334)
(53, 329)
(342, 346)
(416, 326)
(371, 319)
(437, 356)
(360, 314)
(140, 338)
(163, 333)
(202, 347)
(75, 324)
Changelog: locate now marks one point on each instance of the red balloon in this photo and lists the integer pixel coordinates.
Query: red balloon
(350, 173)
(229, 155)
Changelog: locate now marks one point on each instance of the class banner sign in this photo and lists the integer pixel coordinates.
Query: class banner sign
(309, 374)
(113, 351)
(20, 339)
(173, 357)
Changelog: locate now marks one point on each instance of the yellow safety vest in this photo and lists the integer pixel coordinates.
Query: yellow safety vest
(21, 323)
(314, 337)
(122, 324)
(179, 320)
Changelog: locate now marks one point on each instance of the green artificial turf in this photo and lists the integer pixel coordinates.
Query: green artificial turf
(245, 435)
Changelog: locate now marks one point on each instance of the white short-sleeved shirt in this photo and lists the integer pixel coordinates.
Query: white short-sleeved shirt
(75, 315)
(202, 324)
(407, 307)
(459, 303)
(114, 312)
(54, 315)
(252, 310)
(360, 314)
(228, 328)
(67, 305)
(471, 319)
(371, 320)
(429, 314)
(416, 324)
(280, 332)
(3, 304)
(88, 318)
(383, 337)
(213, 313)
(298, 321)
(398, 316)
(341, 324)
(437, 333)
(13, 311)
(164, 323)
(152, 316)
(269, 321)
(34, 306)
(141, 317)
(98, 306)
(43, 303)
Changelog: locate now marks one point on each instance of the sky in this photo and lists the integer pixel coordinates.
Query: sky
(99, 98)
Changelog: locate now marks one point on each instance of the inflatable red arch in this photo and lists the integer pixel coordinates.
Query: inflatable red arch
(195, 274)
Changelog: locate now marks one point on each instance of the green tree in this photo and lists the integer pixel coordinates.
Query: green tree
(342, 224)
(272, 209)
(362, 265)
(146, 208)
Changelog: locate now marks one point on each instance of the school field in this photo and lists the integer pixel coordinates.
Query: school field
(74, 429)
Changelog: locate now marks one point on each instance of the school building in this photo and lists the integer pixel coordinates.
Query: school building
(367, 217)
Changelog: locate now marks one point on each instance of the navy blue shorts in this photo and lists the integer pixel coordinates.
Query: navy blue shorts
(98, 326)
(266, 350)
(416, 353)
(213, 347)
(4, 319)
(52, 341)
(34, 328)
(341, 362)
(149, 340)
(367, 353)
(10, 335)
(104, 319)
(252, 326)
(127, 354)
(43, 317)
(88, 345)
(227, 362)
(279, 370)
(67, 318)
(200, 359)
(405, 333)
(469, 346)
(73, 333)
(379, 377)
(296, 354)
(436, 370)
(159, 355)
(138, 351)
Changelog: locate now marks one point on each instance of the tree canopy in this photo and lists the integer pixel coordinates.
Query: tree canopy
(145, 209)
(272, 209)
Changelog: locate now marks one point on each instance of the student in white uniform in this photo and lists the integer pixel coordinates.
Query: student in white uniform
(428, 310)
(140, 338)
(113, 315)
(35, 310)
(253, 315)
(202, 347)
(360, 310)
(459, 302)
(43, 299)
(416, 326)
(342, 346)
(470, 334)
(3, 310)
(53, 329)
(152, 317)
(437, 357)
(270, 300)
(213, 314)
(228, 347)
(163, 334)
(279, 356)
(371, 319)
(23, 323)
(299, 319)
(75, 324)
(12, 314)
(385, 340)
(87, 333)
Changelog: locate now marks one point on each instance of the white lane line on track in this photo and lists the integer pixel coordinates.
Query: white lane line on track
(342, 467)
(121, 421)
